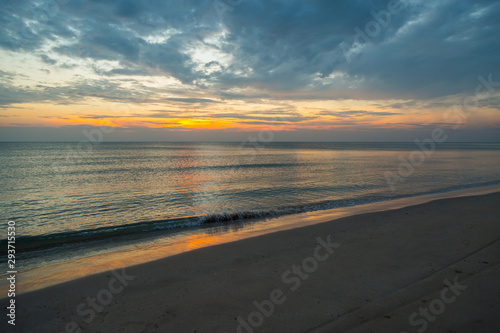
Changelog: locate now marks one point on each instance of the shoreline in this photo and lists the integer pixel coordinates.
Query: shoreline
(172, 244)
(380, 256)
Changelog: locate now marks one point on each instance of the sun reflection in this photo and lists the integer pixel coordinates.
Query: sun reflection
(202, 240)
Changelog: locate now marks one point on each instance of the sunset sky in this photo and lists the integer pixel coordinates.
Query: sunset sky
(172, 70)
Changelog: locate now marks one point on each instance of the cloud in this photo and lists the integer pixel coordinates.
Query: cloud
(173, 114)
(161, 123)
(78, 90)
(402, 105)
(192, 100)
(356, 113)
(47, 59)
(261, 49)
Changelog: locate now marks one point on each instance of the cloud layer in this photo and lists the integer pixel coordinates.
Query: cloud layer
(196, 54)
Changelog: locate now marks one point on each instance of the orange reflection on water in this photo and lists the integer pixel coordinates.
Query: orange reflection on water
(188, 179)
(118, 258)
(197, 241)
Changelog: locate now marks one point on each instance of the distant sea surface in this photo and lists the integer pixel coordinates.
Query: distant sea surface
(63, 193)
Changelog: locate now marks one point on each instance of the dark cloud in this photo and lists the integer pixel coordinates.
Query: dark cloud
(172, 114)
(356, 113)
(192, 100)
(252, 118)
(74, 92)
(442, 53)
(427, 50)
(283, 117)
(401, 105)
(491, 102)
(47, 59)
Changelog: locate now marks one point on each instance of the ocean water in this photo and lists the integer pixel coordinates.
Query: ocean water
(61, 194)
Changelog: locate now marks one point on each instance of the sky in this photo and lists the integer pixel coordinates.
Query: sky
(229, 70)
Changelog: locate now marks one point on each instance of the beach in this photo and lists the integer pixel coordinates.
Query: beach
(250, 166)
(370, 272)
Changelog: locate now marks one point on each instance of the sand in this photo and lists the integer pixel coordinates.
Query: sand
(433, 266)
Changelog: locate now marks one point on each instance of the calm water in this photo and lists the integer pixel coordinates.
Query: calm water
(58, 194)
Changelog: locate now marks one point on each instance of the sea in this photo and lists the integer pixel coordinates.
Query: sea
(69, 199)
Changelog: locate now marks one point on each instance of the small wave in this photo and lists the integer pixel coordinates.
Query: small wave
(38, 242)
(140, 229)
